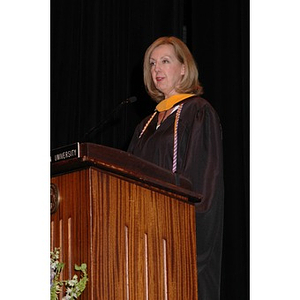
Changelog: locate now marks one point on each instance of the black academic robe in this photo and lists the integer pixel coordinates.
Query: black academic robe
(200, 161)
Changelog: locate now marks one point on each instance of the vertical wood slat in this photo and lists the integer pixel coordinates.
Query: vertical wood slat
(51, 235)
(146, 268)
(138, 243)
(70, 247)
(127, 262)
(165, 269)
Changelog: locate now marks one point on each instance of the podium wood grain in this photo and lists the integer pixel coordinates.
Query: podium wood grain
(138, 241)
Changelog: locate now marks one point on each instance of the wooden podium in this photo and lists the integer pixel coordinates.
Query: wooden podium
(127, 220)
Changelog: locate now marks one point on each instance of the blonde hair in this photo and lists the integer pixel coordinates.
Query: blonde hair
(190, 82)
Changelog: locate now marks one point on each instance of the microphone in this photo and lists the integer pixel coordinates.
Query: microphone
(102, 123)
(129, 100)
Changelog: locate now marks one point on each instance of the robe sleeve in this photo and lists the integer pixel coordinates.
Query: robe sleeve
(204, 160)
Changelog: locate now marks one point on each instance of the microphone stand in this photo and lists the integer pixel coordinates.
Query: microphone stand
(102, 123)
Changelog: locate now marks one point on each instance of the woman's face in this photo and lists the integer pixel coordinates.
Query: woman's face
(166, 70)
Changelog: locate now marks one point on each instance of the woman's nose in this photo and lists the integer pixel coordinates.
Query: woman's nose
(157, 67)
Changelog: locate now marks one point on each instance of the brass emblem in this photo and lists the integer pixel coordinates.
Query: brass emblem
(54, 198)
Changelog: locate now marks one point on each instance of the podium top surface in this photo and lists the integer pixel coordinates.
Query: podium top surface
(83, 155)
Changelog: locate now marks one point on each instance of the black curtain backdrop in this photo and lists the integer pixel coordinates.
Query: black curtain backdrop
(97, 49)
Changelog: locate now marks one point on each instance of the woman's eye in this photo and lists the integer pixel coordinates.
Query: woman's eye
(152, 63)
(165, 61)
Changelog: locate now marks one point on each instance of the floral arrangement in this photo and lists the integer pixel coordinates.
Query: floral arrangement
(73, 287)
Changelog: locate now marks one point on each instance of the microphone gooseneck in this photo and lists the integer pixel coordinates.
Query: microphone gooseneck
(104, 122)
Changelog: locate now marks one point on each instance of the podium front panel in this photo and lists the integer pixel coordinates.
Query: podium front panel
(138, 241)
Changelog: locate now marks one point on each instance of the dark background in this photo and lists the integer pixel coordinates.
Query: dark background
(97, 49)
